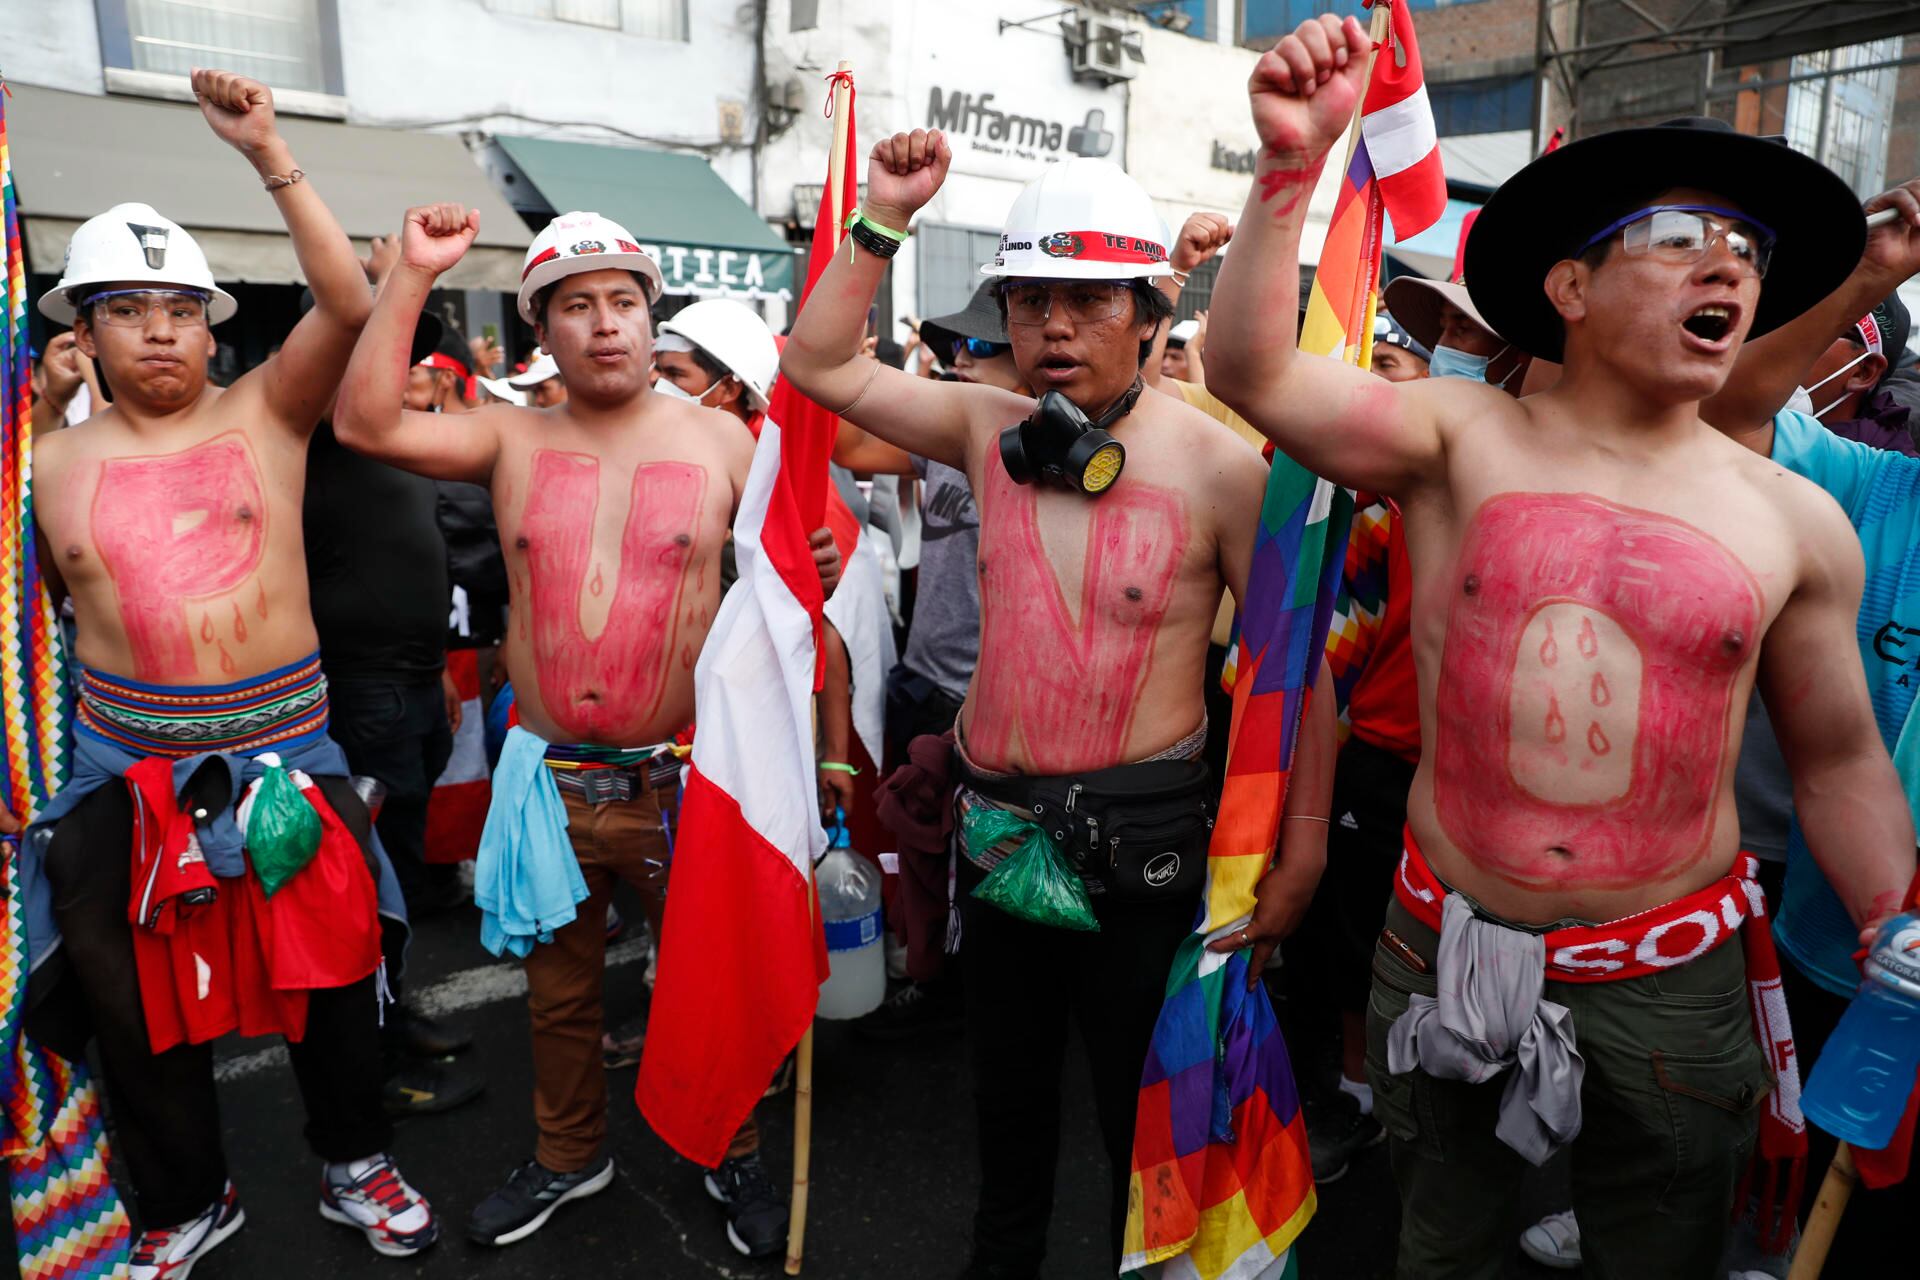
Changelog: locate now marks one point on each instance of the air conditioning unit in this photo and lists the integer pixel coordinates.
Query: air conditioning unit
(1104, 52)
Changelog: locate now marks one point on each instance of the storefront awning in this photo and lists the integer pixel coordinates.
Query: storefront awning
(708, 240)
(75, 155)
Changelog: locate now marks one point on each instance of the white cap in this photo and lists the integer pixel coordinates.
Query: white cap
(1082, 220)
(737, 339)
(536, 373)
(575, 242)
(132, 243)
(500, 390)
(1183, 332)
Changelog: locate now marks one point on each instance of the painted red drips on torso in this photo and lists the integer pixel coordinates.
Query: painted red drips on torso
(1592, 653)
(606, 689)
(1062, 682)
(176, 529)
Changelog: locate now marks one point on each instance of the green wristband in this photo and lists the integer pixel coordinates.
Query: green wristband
(898, 237)
(835, 766)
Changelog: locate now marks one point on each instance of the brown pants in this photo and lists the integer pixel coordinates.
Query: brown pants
(620, 840)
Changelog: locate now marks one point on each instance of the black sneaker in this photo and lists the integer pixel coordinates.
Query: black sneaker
(1336, 1133)
(418, 1036)
(756, 1213)
(428, 1088)
(532, 1193)
(919, 1008)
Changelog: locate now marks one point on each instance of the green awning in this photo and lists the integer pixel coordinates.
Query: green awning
(708, 240)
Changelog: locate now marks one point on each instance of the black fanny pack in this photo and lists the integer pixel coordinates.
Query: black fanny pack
(1137, 832)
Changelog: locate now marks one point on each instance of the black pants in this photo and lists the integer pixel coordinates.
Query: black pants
(1024, 981)
(397, 733)
(165, 1112)
(1877, 1224)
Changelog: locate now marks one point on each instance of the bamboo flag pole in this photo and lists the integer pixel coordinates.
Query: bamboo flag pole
(803, 1055)
(1364, 282)
(1811, 1254)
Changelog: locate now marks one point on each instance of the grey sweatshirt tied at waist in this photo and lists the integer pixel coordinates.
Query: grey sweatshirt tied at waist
(1490, 1016)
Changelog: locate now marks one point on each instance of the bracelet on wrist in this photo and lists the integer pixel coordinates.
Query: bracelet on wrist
(859, 217)
(1181, 277)
(837, 766)
(275, 181)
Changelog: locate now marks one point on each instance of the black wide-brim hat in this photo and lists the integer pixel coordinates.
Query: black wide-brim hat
(980, 318)
(1546, 211)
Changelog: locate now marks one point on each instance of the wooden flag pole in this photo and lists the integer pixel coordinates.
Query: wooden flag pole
(803, 1054)
(1811, 1254)
(1363, 282)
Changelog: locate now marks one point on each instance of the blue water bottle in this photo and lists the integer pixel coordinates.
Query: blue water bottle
(1861, 1083)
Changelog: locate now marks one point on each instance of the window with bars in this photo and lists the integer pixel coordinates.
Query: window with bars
(949, 266)
(654, 19)
(1842, 118)
(289, 44)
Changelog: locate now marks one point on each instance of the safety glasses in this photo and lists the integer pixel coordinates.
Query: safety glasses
(1085, 301)
(978, 348)
(1686, 232)
(131, 308)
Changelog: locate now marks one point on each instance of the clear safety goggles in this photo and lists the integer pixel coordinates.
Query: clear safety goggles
(131, 308)
(1030, 302)
(1685, 233)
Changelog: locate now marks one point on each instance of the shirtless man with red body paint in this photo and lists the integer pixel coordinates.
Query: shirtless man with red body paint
(1095, 613)
(172, 520)
(613, 507)
(1600, 579)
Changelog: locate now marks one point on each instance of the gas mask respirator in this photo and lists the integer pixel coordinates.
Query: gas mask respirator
(1059, 445)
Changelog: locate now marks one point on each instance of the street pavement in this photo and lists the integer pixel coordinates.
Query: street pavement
(892, 1175)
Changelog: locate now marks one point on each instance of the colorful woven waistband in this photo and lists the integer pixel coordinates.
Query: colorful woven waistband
(283, 709)
(584, 755)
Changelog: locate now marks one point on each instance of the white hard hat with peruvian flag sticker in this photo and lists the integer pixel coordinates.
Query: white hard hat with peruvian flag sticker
(1082, 220)
(576, 242)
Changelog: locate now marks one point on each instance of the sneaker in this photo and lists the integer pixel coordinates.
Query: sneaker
(1554, 1241)
(1336, 1133)
(170, 1252)
(532, 1193)
(621, 1047)
(371, 1197)
(428, 1088)
(919, 1008)
(756, 1213)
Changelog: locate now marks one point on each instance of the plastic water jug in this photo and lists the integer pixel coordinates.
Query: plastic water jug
(850, 910)
(1865, 1074)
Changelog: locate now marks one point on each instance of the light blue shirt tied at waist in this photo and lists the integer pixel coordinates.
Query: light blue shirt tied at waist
(1490, 1016)
(526, 878)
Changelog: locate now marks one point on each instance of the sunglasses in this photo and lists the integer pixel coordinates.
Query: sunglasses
(1684, 233)
(978, 348)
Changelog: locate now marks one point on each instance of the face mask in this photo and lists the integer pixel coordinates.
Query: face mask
(1451, 362)
(1802, 399)
(668, 387)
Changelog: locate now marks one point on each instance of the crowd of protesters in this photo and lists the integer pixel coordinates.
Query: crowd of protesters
(1618, 491)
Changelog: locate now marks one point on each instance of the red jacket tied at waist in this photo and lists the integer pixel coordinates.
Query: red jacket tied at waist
(215, 956)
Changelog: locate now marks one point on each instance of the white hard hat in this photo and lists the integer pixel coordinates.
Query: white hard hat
(737, 339)
(536, 373)
(575, 242)
(1183, 333)
(500, 389)
(1082, 220)
(132, 243)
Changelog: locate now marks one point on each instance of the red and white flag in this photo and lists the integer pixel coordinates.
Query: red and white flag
(1397, 122)
(457, 807)
(742, 953)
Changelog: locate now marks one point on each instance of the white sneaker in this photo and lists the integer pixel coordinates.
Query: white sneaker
(1554, 1241)
(375, 1200)
(169, 1253)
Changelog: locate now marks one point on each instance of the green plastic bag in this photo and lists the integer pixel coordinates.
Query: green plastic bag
(283, 831)
(1033, 882)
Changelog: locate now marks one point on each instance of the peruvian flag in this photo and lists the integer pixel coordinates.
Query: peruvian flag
(457, 807)
(742, 953)
(1397, 121)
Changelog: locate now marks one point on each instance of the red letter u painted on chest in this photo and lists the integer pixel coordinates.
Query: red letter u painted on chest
(608, 687)
(1070, 683)
(186, 526)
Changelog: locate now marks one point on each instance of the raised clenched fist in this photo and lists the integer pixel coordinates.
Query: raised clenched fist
(903, 173)
(437, 235)
(238, 109)
(1304, 90)
(1201, 237)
